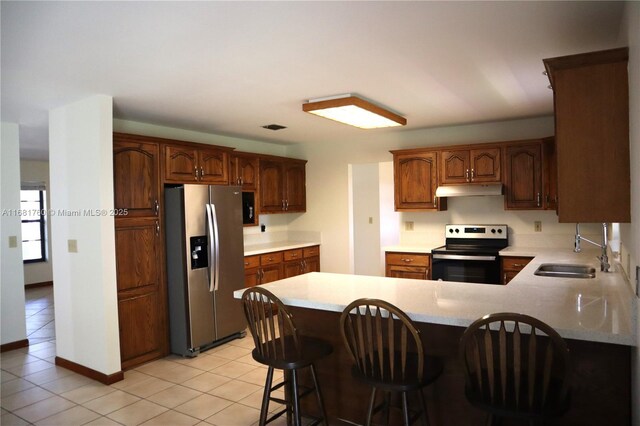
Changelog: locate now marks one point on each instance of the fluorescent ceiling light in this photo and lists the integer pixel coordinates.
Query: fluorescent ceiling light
(354, 111)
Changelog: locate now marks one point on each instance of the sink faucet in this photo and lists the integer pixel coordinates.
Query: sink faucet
(604, 259)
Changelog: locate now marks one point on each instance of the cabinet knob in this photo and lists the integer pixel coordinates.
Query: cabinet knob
(195, 173)
(472, 174)
(466, 175)
(156, 207)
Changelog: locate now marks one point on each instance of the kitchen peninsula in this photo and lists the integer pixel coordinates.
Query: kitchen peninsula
(595, 316)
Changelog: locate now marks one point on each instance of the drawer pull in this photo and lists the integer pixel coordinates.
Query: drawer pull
(407, 260)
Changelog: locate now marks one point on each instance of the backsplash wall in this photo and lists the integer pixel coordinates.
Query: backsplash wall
(428, 227)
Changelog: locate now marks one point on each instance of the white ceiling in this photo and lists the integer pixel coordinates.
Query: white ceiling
(231, 67)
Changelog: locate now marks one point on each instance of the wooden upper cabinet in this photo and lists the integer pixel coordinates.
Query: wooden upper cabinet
(282, 186)
(523, 184)
(180, 164)
(295, 187)
(135, 176)
(591, 100)
(214, 166)
(186, 164)
(244, 171)
(415, 176)
(480, 165)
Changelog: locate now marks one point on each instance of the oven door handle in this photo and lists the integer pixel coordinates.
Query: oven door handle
(462, 257)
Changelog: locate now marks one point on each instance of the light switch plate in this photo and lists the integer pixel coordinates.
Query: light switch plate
(13, 241)
(408, 226)
(537, 226)
(72, 246)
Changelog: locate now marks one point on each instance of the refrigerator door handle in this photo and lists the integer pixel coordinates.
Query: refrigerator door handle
(211, 238)
(216, 249)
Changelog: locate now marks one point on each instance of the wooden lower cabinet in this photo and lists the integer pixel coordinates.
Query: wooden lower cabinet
(265, 268)
(408, 265)
(511, 266)
(141, 294)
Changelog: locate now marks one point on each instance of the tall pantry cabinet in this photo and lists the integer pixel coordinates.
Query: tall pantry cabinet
(139, 249)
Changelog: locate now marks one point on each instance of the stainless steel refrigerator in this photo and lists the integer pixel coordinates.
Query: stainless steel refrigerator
(205, 253)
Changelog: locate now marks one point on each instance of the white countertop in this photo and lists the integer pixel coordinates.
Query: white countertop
(602, 309)
(250, 250)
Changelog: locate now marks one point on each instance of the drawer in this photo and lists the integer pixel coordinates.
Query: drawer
(271, 258)
(312, 251)
(251, 262)
(408, 259)
(515, 263)
(292, 255)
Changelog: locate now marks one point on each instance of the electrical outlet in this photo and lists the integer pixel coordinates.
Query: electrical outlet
(72, 246)
(408, 226)
(370, 220)
(537, 226)
(13, 241)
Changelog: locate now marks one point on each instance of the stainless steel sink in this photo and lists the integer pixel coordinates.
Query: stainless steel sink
(565, 271)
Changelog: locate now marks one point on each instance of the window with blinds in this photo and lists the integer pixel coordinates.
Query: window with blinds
(33, 210)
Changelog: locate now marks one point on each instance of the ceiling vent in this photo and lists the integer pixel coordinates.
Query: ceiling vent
(274, 127)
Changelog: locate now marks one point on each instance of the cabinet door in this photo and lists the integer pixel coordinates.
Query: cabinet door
(312, 264)
(271, 273)
(523, 186)
(180, 164)
(251, 277)
(135, 177)
(454, 167)
(141, 297)
(244, 171)
(271, 187)
(550, 174)
(295, 188)
(413, 272)
(293, 268)
(415, 181)
(485, 165)
(214, 166)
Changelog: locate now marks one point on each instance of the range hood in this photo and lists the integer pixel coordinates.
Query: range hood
(469, 190)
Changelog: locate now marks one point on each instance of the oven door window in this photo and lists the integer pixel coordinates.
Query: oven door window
(469, 271)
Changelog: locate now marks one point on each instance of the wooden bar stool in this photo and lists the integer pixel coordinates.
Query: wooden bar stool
(388, 354)
(515, 366)
(279, 346)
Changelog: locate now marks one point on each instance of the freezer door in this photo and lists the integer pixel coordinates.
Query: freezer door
(200, 299)
(228, 266)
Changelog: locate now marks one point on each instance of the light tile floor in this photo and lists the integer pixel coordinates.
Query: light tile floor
(222, 386)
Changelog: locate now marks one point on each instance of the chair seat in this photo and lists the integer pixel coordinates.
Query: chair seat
(432, 369)
(312, 349)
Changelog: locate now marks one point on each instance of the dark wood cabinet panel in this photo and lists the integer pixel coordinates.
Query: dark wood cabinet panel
(135, 176)
(511, 266)
(293, 268)
(181, 164)
(271, 273)
(415, 181)
(214, 166)
(282, 186)
(140, 336)
(523, 186)
(481, 165)
(261, 269)
(591, 103)
(137, 253)
(244, 171)
(454, 167)
(485, 165)
(408, 265)
(295, 189)
(311, 264)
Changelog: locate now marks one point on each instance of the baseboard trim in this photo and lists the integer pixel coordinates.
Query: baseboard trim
(106, 379)
(14, 345)
(41, 284)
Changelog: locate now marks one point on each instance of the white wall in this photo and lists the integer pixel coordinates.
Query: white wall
(630, 233)
(38, 171)
(366, 219)
(81, 164)
(13, 327)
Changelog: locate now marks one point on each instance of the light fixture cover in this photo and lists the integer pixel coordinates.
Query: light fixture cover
(349, 109)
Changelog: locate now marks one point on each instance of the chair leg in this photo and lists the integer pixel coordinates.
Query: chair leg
(405, 409)
(264, 410)
(372, 401)
(319, 395)
(387, 407)
(425, 414)
(295, 398)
